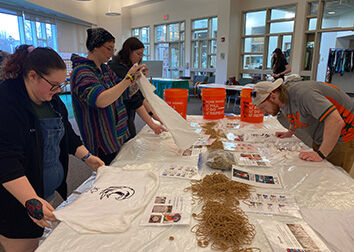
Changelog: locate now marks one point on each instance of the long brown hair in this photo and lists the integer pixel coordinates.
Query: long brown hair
(279, 59)
(131, 44)
(41, 59)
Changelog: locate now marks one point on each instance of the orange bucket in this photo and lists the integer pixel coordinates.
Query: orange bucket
(249, 113)
(213, 103)
(177, 99)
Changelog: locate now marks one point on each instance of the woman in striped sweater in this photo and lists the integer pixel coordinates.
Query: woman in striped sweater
(97, 96)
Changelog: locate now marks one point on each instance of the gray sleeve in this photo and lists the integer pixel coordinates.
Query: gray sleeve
(315, 104)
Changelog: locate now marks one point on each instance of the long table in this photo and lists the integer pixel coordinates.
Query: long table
(314, 185)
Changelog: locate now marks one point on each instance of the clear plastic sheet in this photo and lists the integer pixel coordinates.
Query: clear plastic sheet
(314, 185)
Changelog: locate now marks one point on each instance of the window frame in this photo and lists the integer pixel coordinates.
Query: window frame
(181, 46)
(140, 29)
(209, 40)
(266, 35)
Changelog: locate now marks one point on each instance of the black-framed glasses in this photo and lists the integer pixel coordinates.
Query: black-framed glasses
(54, 87)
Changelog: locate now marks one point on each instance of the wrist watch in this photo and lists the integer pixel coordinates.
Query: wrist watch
(84, 158)
(321, 154)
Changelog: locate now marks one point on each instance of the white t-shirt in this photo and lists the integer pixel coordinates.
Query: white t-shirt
(113, 202)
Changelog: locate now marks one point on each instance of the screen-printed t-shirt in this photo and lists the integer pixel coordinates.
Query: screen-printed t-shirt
(311, 102)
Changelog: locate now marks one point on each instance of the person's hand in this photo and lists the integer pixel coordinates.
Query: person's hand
(48, 215)
(310, 156)
(157, 118)
(157, 128)
(283, 134)
(145, 71)
(134, 71)
(94, 162)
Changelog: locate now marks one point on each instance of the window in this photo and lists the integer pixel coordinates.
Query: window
(169, 47)
(204, 32)
(143, 34)
(32, 29)
(338, 14)
(263, 32)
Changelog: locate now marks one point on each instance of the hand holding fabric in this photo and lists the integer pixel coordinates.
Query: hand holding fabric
(40, 211)
(94, 162)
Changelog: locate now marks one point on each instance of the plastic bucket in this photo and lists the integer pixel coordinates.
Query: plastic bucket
(249, 113)
(177, 99)
(213, 103)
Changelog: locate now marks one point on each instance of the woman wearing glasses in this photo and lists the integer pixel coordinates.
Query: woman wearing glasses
(132, 53)
(36, 139)
(97, 96)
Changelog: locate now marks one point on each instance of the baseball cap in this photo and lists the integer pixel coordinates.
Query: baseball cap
(263, 89)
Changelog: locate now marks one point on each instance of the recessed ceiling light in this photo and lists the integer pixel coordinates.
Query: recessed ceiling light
(331, 12)
(112, 14)
(83, 0)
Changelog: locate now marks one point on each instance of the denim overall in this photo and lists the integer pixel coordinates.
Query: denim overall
(53, 173)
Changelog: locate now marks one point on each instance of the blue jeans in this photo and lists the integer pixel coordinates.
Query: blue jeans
(53, 173)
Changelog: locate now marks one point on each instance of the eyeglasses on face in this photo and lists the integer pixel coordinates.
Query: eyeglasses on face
(54, 87)
(111, 49)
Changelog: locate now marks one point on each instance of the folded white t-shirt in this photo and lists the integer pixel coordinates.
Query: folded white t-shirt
(182, 133)
(115, 199)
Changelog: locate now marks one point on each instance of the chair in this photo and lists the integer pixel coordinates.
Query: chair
(211, 79)
(198, 79)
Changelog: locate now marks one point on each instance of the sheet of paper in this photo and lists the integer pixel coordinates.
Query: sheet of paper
(180, 171)
(259, 179)
(239, 147)
(194, 151)
(167, 210)
(251, 159)
(294, 237)
(271, 203)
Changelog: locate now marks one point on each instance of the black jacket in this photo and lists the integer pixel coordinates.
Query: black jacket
(132, 103)
(21, 152)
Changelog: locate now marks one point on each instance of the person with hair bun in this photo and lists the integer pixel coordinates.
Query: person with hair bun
(36, 139)
(132, 53)
(97, 95)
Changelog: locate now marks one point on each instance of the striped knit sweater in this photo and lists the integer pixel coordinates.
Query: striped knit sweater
(100, 128)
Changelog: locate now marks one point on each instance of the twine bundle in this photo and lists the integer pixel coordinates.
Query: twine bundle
(221, 222)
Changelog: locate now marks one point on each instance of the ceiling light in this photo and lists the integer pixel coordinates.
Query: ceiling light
(114, 9)
(331, 12)
(83, 0)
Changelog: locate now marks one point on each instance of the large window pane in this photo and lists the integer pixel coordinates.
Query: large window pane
(214, 27)
(40, 27)
(273, 44)
(173, 32)
(213, 46)
(9, 33)
(175, 55)
(255, 22)
(313, 8)
(145, 35)
(280, 27)
(212, 61)
(160, 33)
(312, 24)
(338, 14)
(199, 24)
(286, 46)
(283, 12)
(204, 54)
(201, 34)
(310, 42)
(252, 61)
(254, 44)
(28, 32)
(195, 54)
